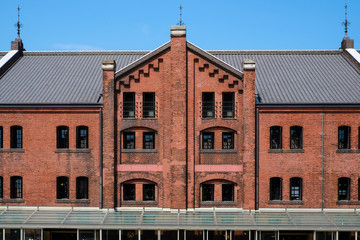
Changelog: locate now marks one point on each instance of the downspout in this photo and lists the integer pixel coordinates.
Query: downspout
(256, 158)
(101, 158)
(322, 162)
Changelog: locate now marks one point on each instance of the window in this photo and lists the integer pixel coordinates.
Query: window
(344, 137)
(129, 192)
(208, 105)
(148, 192)
(227, 192)
(295, 188)
(62, 188)
(148, 140)
(82, 137)
(228, 109)
(359, 189)
(208, 192)
(344, 188)
(208, 140)
(16, 137)
(275, 137)
(227, 140)
(16, 187)
(62, 137)
(149, 105)
(296, 137)
(275, 188)
(1, 187)
(129, 105)
(129, 140)
(359, 139)
(82, 188)
(1, 137)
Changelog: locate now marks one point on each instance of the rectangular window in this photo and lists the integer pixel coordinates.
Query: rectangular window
(228, 192)
(62, 188)
(275, 188)
(228, 106)
(82, 186)
(296, 137)
(129, 105)
(295, 188)
(129, 140)
(1, 137)
(16, 137)
(148, 192)
(344, 137)
(208, 140)
(228, 140)
(344, 188)
(208, 105)
(129, 192)
(275, 137)
(149, 105)
(82, 137)
(208, 192)
(148, 140)
(16, 187)
(1, 187)
(62, 137)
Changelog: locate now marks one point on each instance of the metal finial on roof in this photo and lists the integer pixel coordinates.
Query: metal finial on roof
(346, 23)
(18, 24)
(181, 22)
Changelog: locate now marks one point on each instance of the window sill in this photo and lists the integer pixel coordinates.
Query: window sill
(135, 119)
(286, 151)
(12, 200)
(11, 150)
(222, 151)
(347, 202)
(83, 201)
(348, 151)
(140, 203)
(281, 202)
(213, 203)
(77, 150)
(138, 150)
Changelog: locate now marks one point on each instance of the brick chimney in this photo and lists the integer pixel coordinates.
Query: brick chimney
(347, 43)
(17, 45)
(108, 128)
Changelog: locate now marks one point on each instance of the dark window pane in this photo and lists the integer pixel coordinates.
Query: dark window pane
(228, 140)
(62, 137)
(344, 137)
(295, 189)
(228, 192)
(1, 137)
(149, 105)
(129, 105)
(1, 187)
(62, 190)
(275, 137)
(148, 140)
(228, 109)
(296, 137)
(16, 187)
(82, 188)
(344, 189)
(208, 105)
(129, 140)
(82, 137)
(275, 188)
(129, 192)
(148, 192)
(208, 192)
(208, 140)
(16, 137)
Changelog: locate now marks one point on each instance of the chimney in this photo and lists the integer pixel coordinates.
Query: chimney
(17, 45)
(347, 43)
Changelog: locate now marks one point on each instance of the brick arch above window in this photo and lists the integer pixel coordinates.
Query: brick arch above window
(146, 176)
(218, 128)
(138, 128)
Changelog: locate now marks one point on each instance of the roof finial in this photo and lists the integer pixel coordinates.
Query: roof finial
(346, 23)
(181, 22)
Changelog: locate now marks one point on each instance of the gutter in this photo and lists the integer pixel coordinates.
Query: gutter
(34, 105)
(310, 105)
(257, 158)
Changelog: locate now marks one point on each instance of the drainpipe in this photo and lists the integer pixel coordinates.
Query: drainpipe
(101, 158)
(322, 162)
(257, 159)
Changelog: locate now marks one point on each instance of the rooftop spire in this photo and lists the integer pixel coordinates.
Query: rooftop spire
(346, 23)
(17, 44)
(181, 22)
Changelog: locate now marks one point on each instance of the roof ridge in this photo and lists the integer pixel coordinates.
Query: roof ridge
(268, 52)
(122, 52)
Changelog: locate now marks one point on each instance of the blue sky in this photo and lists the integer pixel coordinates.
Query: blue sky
(211, 25)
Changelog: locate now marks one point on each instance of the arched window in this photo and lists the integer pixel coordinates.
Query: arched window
(62, 187)
(16, 187)
(344, 137)
(344, 188)
(275, 137)
(62, 137)
(82, 188)
(296, 135)
(209, 191)
(295, 188)
(82, 137)
(275, 188)
(16, 137)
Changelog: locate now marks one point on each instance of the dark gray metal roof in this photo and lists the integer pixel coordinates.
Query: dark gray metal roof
(59, 77)
(300, 77)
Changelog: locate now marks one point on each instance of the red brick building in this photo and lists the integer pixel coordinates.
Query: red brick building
(180, 143)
